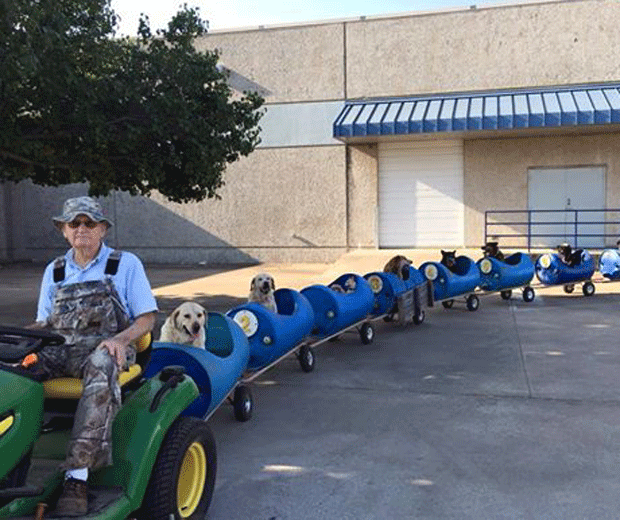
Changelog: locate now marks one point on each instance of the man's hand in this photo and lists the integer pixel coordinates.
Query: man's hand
(117, 346)
(117, 350)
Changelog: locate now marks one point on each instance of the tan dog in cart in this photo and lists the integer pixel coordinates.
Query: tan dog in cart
(398, 265)
(185, 326)
(261, 291)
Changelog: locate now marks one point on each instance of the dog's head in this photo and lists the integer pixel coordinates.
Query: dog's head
(262, 283)
(448, 258)
(490, 249)
(398, 265)
(565, 250)
(189, 318)
(350, 284)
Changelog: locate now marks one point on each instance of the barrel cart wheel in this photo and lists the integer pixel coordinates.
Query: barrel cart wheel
(506, 294)
(472, 302)
(390, 316)
(242, 403)
(306, 358)
(588, 288)
(367, 333)
(447, 304)
(569, 288)
(528, 294)
(418, 317)
(183, 477)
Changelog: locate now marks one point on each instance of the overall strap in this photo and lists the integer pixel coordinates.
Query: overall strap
(111, 266)
(59, 269)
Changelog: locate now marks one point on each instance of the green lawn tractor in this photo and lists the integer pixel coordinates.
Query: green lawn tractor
(164, 463)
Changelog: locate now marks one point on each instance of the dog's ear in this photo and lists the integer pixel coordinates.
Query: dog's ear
(253, 284)
(175, 316)
(273, 284)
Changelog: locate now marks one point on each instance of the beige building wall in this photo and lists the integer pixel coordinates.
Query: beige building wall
(274, 204)
(520, 45)
(278, 205)
(532, 44)
(496, 172)
(362, 182)
(299, 63)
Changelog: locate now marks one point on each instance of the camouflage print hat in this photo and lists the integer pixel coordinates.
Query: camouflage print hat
(81, 206)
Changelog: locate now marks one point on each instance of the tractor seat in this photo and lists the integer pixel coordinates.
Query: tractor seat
(71, 387)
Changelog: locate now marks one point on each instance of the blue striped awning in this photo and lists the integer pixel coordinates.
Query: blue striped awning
(536, 108)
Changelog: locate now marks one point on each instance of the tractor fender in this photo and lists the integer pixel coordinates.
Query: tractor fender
(139, 431)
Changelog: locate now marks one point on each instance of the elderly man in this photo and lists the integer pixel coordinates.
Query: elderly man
(101, 301)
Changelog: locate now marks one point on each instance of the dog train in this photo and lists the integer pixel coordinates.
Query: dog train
(223, 353)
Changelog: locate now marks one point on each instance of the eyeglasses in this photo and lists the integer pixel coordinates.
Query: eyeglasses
(90, 224)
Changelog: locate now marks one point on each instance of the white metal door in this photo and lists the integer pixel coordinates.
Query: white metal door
(421, 194)
(567, 189)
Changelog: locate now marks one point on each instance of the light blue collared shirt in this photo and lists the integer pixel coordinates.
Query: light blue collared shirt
(130, 281)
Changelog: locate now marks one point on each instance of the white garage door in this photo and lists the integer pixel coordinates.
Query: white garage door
(421, 194)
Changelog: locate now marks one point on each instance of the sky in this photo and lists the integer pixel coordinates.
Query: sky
(228, 14)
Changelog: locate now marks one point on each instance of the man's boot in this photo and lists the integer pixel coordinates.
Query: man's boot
(74, 499)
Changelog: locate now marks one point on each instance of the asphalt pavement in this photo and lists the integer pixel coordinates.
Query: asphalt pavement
(508, 412)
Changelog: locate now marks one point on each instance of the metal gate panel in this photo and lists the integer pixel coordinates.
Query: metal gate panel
(566, 189)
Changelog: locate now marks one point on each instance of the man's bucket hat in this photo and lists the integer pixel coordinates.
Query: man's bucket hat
(81, 206)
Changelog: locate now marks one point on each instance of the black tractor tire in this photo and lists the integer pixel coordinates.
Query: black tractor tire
(188, 452)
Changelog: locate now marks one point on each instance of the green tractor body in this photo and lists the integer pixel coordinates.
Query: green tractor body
(149, 421)
(21, 410)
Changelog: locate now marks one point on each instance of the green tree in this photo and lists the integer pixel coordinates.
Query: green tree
(133, 114)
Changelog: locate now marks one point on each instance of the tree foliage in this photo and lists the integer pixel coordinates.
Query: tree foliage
(136, 114)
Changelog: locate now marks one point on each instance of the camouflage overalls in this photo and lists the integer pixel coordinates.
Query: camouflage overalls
(85, 314)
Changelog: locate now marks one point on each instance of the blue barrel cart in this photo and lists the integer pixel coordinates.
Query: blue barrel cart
(609, 264)
(447, 284)
(274, 336)
(337, 312)
(551, 270)
(216, 369)
(392, 293)
(515, 271)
